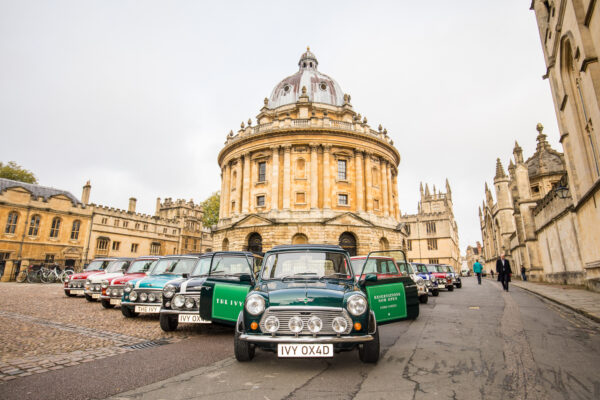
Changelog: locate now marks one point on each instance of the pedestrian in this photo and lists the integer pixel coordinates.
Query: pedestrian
(504, 271)
(477, 268)
(492, 273)
(523, 270)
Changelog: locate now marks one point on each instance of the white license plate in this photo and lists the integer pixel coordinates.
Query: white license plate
(147, 309)
(76, 291)
(95, 295)
(304, 350)
(441, 285)
(192, 319)
(115, 302)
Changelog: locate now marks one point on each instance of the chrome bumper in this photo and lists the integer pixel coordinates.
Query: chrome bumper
(305, 339)
(128, 303)
(165, 311)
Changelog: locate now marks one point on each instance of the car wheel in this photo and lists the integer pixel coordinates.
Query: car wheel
(106, 304)
(435, 292)
(451, 288)
(128, 312)
(168, 323)
(243, 350)
(369, 352)
(459, 285)
(89, 298)
(423, 298)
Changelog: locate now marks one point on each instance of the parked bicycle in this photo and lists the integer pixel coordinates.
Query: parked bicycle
(54, 273)
(31, 274)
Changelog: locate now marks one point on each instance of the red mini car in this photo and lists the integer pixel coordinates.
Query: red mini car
(112, 289)
(75, 284)
(443, 278)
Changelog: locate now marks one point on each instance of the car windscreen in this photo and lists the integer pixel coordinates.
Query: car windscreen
(431, 268)
(306, 264)
(440, 268)
(375, 266)
(421, 268)
(96, 265)
(174, 266)
(115, 266)
(202, 267)
(140, 266)
(230, 265)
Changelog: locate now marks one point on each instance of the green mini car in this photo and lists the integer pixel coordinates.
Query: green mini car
(307, 302)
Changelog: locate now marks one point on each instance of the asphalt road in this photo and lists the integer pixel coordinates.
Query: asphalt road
(477, 342)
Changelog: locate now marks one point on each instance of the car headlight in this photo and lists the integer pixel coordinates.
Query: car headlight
(295, 324)
(189, 302)
(151, 297)
(179, 301)
(339, 324)
(133, 296)
(315, 324)
(169, 291)
(104, 284)
(255, 304)
(128, 287)
(357, 304)
(272, 324)
(143, 296)
(97, 287)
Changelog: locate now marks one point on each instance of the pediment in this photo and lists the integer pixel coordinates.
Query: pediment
(252, 220)
(348, 219)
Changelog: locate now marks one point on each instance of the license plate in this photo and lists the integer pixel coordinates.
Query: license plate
(441, 285)
(95, 295)
(304, 350)
(115, 302)
(192, 319)
(76, 291)
(147, 309)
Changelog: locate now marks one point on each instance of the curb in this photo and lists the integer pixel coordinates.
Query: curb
(577, 310)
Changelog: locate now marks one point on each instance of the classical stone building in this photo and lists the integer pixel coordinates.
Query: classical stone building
(570, 35)
(507, 224)
(310, 171)
(432, 232)
(473, 253)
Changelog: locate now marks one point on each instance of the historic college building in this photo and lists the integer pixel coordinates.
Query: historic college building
(310, 171)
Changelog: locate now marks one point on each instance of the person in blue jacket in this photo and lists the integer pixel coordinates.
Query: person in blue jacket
(477, 268)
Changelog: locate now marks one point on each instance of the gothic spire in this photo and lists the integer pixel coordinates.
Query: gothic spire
(499, 170)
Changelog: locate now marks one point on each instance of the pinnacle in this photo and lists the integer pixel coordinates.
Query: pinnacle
(499, 170)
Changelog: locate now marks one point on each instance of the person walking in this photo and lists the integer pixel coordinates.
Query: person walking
(492, 273)
(477, 268)
(504, 271)
(523, 270)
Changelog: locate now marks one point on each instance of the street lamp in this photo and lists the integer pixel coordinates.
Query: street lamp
(562, 191)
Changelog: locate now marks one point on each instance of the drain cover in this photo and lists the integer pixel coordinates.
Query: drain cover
(145, 345)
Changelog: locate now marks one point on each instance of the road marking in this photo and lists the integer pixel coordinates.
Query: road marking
(474, 308)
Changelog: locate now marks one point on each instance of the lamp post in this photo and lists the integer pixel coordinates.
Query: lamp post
(562, 191)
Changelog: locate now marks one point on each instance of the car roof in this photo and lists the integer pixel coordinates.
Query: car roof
(372, 257)
(329, 247)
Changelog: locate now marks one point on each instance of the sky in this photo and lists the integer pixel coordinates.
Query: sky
(138, 96)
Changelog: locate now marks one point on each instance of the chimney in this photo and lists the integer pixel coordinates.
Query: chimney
(157, 205)
(85, 194)
(132, 202)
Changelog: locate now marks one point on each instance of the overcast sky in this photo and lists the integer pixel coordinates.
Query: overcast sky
(138, 96)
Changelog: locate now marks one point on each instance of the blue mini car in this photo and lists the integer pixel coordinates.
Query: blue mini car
(430, 281)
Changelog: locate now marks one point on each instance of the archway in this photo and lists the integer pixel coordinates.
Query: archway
(225, 245)
(384, 244)
(299, 238)
(348, 243)
(254, 243)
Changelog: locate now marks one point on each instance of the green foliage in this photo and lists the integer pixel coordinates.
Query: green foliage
(14, 171)
(211, 210)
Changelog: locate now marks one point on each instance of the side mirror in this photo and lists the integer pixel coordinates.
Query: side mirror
(185, 275)
(245, 278)
(371, 278)
(124, 268)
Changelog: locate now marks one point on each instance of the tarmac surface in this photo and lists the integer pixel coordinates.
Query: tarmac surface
(477, 342)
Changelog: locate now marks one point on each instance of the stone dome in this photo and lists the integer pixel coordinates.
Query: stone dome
(320, 88)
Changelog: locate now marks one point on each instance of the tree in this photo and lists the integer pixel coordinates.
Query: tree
(14, 171)
(211, 210)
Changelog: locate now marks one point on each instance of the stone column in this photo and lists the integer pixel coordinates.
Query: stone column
(369, 181)
(358, 162)
(275, 179)
(246, 185)
(226, 190)
(222, 201)
(390, 189)
(384, 187)
(326, 177)
(314, 177)
(287, 169)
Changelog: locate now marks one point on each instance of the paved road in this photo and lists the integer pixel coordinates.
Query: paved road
(475, 343)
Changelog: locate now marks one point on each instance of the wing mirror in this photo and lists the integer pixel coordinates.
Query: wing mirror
(245, 278)
(185, 275)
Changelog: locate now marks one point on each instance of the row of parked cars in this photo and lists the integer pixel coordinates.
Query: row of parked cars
(297, 300)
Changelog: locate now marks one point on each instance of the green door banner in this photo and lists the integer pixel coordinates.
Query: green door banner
(388, 301)
(228, 301)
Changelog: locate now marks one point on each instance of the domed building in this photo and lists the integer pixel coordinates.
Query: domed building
(310, 171)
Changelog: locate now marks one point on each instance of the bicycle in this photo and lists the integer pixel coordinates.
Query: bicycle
(32, 274)
(55, 274)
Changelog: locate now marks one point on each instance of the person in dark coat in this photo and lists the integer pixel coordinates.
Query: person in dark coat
(504, 271)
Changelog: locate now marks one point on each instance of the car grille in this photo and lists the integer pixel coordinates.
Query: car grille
(115, 291)
(157, 293)
(326, 315)
(77, 284)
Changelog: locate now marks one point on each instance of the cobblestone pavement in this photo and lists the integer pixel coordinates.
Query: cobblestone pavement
(44, 330)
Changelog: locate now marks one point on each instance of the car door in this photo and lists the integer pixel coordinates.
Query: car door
(223, 293)
(392, 295)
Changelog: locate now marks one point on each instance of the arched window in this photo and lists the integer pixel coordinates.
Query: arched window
(254, 243)
(55, 228)
(348, 243)
(225, 246)
(34, 225)
(385, 245)
(75, 229)
(300, 171)
(299, 238)
(11, 222)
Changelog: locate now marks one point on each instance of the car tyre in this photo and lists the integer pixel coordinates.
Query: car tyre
(244, 351)
(451, 288)
(89, 298)
(369, 352)
(168, 323)
(459, 285)
(424, 298)
(435, 292)
(106, 304)
(128, 312)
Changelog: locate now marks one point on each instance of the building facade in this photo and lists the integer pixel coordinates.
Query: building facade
(310, 171)
(473, 253)
(433, 232)
(570, 36)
